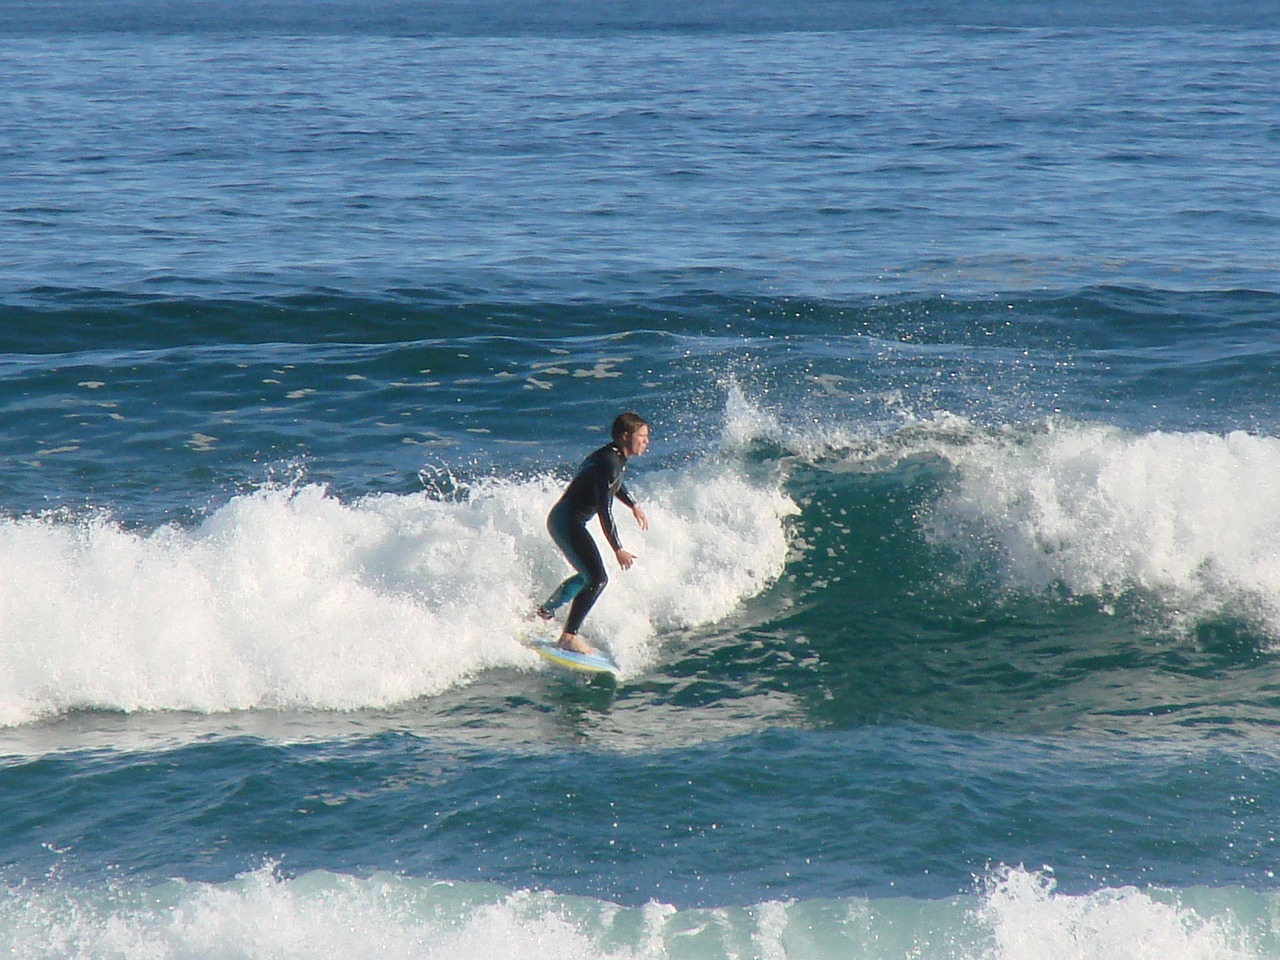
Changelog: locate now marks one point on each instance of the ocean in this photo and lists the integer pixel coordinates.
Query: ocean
(956, 631)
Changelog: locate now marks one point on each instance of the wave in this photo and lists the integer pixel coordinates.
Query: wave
(292, 598)
(1194, 324)
(1189, 519)
(1193, 518)
(1016, 913)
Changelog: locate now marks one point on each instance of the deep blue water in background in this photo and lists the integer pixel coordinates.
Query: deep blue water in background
(955, 633)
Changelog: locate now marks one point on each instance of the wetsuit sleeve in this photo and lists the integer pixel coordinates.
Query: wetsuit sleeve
(604, 507)
(625, 496)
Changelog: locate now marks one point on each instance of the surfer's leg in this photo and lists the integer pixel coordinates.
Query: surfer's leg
(584, 587)
(560, 525)
(562, 594)
(595, 580)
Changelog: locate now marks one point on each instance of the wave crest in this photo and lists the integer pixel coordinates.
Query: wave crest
(1193, 518)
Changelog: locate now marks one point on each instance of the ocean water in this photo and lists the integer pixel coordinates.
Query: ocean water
(956, 632)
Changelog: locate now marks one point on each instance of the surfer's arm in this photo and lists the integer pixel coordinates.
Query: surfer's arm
(642, 518)
(604, 509)
(637, 511)
(605, 503)
(625, 496)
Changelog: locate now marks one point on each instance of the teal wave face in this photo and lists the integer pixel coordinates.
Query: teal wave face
(1000, 582)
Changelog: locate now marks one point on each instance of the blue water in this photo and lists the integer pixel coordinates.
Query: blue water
(955, 633)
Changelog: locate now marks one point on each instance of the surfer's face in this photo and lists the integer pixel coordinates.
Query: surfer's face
(636, 442)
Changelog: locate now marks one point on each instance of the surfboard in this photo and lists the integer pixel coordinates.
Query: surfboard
(584, 662)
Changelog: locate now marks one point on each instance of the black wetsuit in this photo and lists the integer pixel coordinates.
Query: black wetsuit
(589, 494)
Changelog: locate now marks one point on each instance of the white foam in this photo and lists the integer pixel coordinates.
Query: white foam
(714, 540)
(317, 916)
(1028, 919)
(1191, 517)
(292, 598)
(747, 421)
(323, 915)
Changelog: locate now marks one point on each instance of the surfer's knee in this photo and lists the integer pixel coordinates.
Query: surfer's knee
(593, 586)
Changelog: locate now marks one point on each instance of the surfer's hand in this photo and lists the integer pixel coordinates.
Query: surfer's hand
(625, 559)
(642, 518)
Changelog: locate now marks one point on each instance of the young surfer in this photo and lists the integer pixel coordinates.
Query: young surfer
(589, 494)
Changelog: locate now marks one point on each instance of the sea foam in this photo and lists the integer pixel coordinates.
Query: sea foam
(1019, 916)
(293, 598)
(1191, 518)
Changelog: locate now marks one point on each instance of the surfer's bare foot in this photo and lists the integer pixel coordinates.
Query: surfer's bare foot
(571, 641)
(544, 614)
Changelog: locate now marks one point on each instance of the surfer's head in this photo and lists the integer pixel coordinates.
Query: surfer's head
(631, 434)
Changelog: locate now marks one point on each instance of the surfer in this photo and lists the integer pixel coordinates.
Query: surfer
(589, 494)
